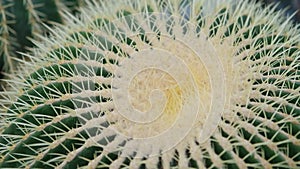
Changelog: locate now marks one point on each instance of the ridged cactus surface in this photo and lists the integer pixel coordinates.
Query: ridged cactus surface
(158, 84)
(23, 19)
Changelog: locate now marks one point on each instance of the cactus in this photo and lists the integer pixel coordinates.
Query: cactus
(291, 7)
(23, 19)
(158, 84)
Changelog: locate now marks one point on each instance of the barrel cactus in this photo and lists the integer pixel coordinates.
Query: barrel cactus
(23, 19)
(158, 84)
(291, 7)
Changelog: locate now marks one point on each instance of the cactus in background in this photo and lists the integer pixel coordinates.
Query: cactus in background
(229, 73)
(23, 19)
(290, 6)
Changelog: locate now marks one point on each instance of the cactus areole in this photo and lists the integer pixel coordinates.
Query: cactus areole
(158, 84)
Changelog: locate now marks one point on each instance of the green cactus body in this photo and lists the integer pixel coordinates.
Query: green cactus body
(62, 110)
(24, 19)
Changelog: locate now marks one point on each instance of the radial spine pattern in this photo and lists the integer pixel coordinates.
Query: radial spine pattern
(158, 84)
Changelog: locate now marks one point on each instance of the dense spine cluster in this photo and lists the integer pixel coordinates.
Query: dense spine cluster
(24, 19)
(60, 111)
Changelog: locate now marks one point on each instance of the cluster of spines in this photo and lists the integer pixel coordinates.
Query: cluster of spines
(264, 132)
(23, 19)
(268, 123)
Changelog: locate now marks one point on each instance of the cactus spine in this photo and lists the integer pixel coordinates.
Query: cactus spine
(62, 112)
(24, 19)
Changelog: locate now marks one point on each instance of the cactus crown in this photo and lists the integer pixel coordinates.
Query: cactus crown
(227, 76)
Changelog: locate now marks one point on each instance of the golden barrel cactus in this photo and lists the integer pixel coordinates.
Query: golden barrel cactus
(158, 84)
